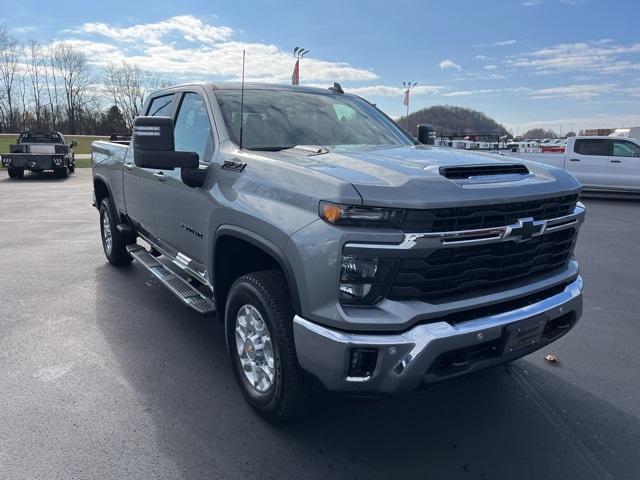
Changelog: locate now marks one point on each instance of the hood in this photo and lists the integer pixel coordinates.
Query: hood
(414, 176)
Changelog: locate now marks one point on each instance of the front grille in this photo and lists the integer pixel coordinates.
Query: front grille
(486, 216)
(480, 269)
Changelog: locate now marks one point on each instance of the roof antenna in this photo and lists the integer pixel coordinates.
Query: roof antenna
(336, 88)
(242, 99)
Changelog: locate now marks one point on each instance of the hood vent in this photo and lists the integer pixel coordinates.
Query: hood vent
(485, 172)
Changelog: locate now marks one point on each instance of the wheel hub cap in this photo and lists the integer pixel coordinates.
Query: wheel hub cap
(254, 348)
(106, 232)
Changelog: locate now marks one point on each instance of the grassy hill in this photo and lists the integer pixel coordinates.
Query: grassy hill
(450, 119)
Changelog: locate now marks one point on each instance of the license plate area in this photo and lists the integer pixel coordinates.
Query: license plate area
(523, 334)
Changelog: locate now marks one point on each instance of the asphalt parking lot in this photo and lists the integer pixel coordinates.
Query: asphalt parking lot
(103, 374)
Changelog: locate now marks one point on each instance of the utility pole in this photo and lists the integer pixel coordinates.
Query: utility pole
(407, 93)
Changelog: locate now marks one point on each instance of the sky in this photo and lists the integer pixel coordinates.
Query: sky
(559, 64)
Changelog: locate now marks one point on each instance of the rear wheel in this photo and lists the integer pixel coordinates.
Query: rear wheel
(259, 328)
(16, 172)
(114, 243)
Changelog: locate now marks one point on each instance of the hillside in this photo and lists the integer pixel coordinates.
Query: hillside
(450, 119)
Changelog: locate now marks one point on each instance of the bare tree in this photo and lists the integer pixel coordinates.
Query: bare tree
(128, 86)
(34, 61)
(72, 67)
(9, 61)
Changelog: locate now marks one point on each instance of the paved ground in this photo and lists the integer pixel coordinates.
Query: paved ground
(103, 374)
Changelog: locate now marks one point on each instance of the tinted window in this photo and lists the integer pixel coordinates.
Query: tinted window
(29, 137)
(161, 106)
(277, 119)
(193, 127)
(592, 147)
(623, 148)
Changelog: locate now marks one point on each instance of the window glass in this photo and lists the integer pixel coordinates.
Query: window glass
(592, 146)
(161, 106)
(279, 119)
(52, 137)
(193, 128)
(625, 149)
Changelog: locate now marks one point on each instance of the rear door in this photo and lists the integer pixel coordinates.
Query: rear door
(139, 182)
(183, 212)
(623, 169)
(588, 161)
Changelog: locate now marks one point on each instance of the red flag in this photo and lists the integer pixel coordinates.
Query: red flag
(295, 78)
(406, 97)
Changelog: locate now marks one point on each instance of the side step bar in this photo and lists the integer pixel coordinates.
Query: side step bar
(189, 295)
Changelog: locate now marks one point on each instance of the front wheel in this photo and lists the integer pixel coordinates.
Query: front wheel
(114, 243)
(259, 330)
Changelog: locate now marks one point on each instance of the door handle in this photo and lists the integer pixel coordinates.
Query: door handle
(160, 176)
(128, 166)
(616, 161)
(574, 160)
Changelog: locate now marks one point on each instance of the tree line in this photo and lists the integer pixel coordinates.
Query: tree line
(54, 87)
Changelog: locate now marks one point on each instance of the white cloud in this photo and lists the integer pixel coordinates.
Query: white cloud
(578, 92)
(594, 56)
(532, 3)
(502, 43)
(387, 91)
(485, 91)
(449, 64)
(187, 46)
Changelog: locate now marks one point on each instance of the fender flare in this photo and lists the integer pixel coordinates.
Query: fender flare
(268, 247)
(106, 184)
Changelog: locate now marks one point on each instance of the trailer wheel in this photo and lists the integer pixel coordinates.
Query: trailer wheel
(259, 330)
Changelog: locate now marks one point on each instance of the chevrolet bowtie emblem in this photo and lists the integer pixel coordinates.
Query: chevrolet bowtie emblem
(524, 230)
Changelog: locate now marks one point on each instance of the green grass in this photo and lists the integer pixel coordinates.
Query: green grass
(84, 142)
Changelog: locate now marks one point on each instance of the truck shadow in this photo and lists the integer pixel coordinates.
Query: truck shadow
(501, 423)
(36, 177)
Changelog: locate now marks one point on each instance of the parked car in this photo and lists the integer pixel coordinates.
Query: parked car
(339, 254)
(607, 164)
(37, 152)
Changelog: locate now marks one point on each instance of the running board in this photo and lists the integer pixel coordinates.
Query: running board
(189, 295)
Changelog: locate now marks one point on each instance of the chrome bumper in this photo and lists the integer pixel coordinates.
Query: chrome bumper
(404, 359)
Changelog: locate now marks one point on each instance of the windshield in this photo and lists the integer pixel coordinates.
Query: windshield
(279, 119)
(40, 138)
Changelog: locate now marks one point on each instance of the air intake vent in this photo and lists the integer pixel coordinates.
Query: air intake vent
(465, 172)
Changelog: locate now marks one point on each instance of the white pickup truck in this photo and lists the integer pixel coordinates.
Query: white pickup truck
(609, 164)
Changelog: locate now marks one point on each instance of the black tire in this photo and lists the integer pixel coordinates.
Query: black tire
(116, 252)
(62, 172)
(288, 396)
(72, 167)
(16, 172)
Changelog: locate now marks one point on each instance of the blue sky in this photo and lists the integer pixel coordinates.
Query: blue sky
(574, 63)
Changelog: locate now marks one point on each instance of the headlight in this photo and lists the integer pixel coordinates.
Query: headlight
(364, 280)
(6, 161)
(359, 216)
(57, 161)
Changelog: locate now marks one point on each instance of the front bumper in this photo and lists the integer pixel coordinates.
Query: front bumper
(428, 352)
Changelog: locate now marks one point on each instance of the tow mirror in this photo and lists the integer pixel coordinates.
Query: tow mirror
(154, 147)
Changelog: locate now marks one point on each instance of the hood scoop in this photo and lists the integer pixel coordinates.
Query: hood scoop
(490, 173)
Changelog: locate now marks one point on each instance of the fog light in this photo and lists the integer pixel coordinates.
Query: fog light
(362, 362)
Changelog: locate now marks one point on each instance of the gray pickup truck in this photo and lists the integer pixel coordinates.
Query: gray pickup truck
(339, 253)
(37, 152)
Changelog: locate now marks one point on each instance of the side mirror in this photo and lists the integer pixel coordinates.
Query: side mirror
(426, 134)
(154, 147)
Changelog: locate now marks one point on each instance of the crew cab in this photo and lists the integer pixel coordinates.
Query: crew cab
(37, 152)
(339, 254)
(606, 164)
